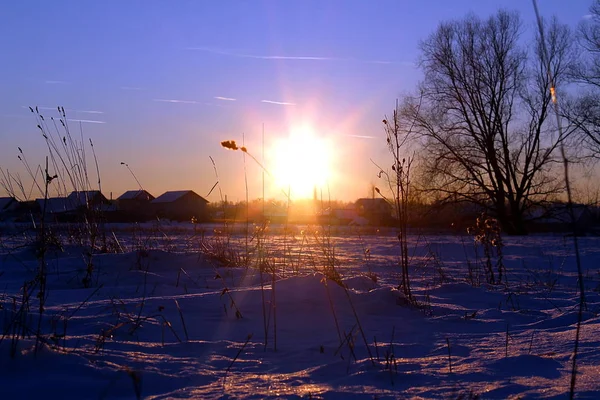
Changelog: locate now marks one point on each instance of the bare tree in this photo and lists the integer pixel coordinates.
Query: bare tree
(483, 114)
(587, 70)
(584, 110)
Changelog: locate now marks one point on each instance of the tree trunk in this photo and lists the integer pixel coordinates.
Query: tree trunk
(512, 223)
(518, 219)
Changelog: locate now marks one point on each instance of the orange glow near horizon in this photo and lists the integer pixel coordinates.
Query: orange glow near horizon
(302, 162)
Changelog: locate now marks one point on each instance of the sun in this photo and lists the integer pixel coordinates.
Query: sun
(301, 163)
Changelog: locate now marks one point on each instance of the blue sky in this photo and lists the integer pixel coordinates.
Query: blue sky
(158, 84)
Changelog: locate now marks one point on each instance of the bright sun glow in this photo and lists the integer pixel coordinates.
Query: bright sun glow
(302, 163)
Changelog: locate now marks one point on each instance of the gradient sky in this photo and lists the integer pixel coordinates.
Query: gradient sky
(160, 83)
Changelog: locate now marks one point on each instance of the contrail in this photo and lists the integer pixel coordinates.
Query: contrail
(292, 58)
(86, 121)
(67, 110)
(281, 103)
(176, 101)
(361, 136)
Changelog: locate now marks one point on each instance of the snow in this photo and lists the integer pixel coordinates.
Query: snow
(124, 337)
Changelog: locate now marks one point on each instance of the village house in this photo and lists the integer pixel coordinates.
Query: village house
(73, 206)
(54, 206)
(375, 210)
(180, 205)
(556, 218)
(86, 198)
(8, 206)
(347, 215)
(453, 216)
(134, 205)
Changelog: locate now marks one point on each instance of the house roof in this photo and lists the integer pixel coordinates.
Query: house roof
(55, 205)
(370, 202)
(169, 197)
(81, 198)
(133, 194)
(5, 202)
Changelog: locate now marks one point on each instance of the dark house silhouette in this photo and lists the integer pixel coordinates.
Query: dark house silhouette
(557, 218)
(54, 206)
(181, 205)
(376, 210)
(8, 206)
(134, 205)
(87, 199)
(74, 206)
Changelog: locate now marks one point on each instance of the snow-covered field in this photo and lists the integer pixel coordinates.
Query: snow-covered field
(162, 320)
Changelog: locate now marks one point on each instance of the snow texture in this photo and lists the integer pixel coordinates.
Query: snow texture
(162, 324)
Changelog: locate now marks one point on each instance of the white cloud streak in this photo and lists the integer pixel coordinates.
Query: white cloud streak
(176, 101)
(362, 136)
(233, 53)
(67, 110)
(280, 103)
(86, 121)
(313, 58)
(225, 98)
(260, 57)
